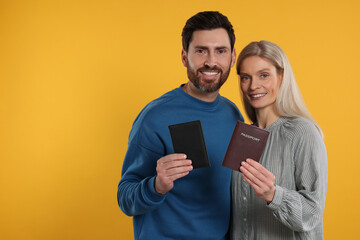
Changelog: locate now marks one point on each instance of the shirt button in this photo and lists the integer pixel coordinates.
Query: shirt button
(245, 219)
(244, 198)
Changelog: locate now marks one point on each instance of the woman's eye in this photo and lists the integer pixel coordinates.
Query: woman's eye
(264, 75)
(244, 78)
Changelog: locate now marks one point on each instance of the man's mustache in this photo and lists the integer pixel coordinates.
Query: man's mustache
(210, 69)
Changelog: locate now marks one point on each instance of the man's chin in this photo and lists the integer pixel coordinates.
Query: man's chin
(209, 89)
(208, 85)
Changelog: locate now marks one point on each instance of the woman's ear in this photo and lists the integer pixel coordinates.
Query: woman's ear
(281, 76)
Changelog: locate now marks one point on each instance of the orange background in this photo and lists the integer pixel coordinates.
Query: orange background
(74, 75)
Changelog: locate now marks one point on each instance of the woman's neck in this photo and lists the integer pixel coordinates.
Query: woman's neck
(266, 117)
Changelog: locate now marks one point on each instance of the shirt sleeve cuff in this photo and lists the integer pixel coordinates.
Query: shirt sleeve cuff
(278, 197)
(150, 192)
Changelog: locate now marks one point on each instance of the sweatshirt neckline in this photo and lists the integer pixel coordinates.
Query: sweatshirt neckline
(198, 102)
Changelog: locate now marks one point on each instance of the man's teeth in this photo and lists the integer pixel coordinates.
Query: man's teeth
(258, 95)
(210, 73)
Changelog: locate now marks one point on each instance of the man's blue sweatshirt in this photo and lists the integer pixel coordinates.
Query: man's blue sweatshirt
(198, 207)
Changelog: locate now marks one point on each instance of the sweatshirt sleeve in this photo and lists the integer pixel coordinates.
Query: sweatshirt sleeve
(136, 191)
(302, 209)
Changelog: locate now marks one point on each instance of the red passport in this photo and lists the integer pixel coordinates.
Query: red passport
(247, 141)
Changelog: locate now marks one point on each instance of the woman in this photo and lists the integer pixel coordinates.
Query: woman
(282, 196)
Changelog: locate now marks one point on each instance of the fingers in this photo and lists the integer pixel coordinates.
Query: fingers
(256, 170)
(255, 167)
(173, 164)
(249, 174)
(170, 168)
(172, 157)
(179, 175)
(164, 184)
(259, 178)
(173, 169)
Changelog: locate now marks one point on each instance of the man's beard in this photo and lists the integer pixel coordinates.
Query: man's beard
(192, 75)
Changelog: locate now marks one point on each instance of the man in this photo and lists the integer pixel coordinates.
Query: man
(168, 199)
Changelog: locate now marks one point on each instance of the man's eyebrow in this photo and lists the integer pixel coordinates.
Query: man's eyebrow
(206, 47)
(202, 47)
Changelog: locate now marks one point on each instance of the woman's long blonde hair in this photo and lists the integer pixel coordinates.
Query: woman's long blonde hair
(289, 102)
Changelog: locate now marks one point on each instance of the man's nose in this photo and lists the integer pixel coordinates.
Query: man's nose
(210, 61)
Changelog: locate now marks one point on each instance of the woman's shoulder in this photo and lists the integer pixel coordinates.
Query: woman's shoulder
(299, 127)
(298, 122)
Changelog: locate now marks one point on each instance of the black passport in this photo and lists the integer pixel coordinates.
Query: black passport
(188, 138)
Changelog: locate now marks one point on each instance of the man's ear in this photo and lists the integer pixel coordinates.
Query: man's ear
(233, 57)
(184, 57)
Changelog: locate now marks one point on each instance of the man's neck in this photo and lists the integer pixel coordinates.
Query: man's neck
(190, 89)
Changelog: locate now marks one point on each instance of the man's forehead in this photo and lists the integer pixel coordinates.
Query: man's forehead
(214, 37)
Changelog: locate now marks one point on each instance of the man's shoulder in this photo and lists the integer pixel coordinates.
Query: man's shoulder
(152, 115)
(156, 108)
(158, 103)
(231, 107)
(228, 101)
